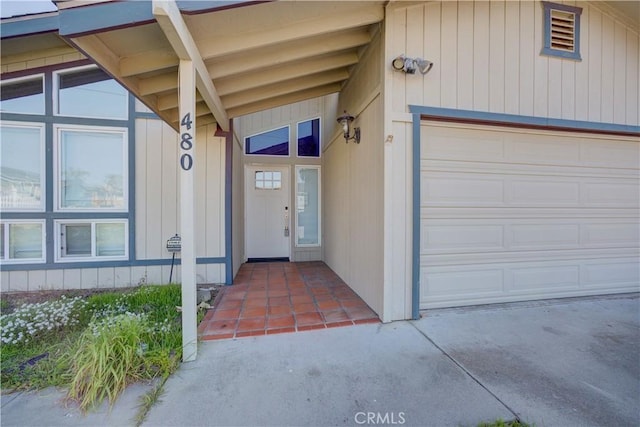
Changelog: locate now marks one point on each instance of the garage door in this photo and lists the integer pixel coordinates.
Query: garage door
(511, 215)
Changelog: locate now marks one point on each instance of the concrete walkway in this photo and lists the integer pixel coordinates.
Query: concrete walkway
(567, 362)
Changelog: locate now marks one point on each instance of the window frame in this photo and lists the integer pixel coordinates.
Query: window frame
(308, 245)
(4, 223)
(58, 225)
(43, 161)
(319, 137)
(56, 94)
(58, 128)
(288, 126)
(41, 76)
(547, 49)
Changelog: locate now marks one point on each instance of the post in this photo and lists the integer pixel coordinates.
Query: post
(186, 161)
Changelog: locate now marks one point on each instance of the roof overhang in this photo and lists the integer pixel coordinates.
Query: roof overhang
(249, 56)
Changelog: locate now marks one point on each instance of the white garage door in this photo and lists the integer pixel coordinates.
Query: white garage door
(512, 214)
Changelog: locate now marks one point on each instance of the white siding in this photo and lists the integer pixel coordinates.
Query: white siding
(487, 58)
(353, 187)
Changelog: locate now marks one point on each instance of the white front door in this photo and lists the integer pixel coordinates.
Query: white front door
(268, 211)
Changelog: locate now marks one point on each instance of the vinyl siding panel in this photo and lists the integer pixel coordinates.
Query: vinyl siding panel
(487, 58)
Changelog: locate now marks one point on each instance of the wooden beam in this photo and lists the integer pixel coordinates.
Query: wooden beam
(274, 90)
(186, 165)
(282, 73)
(284, 99)
(147, 62)
(170, 100)
(159, 83)
(201, 110)
(349, 16)
(170, 20)
(286, 53)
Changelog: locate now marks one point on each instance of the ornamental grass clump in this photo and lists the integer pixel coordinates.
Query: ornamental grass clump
(110, 355)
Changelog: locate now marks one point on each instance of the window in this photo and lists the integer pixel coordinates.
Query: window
(309, 138)
(272, 143)
(99, 239)
(23, 96)
(268, 180)
(21, 166)
(90, 92)
(561, 30)
(91, 171)
(22, 241)
(307, 206)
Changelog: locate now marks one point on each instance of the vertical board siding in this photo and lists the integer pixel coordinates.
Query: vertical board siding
(353, 182)
(487, 58)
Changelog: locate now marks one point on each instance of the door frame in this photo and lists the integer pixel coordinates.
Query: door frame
(249, 168)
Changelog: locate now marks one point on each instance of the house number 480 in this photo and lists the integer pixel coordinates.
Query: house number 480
(186, 160)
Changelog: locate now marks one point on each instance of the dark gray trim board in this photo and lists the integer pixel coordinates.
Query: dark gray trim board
(228, 220)
(491, 119)
(105, 264)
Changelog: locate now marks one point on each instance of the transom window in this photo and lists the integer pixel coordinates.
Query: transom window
(309, 138)
(90, 92)
(272, 143)
(24, 96)
(268, 180)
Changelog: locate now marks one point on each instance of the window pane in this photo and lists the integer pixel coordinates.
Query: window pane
(92, 170)
(25, 241)
(309, 138)
(272, 143)
(25, 96)
(91, 93)
(110, 239)
(77, 239)
(308, 207)
(20, 168)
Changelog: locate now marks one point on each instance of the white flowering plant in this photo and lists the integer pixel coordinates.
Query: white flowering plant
(33, 321)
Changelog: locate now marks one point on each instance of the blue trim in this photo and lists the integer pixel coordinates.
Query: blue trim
(26, 27)
(228, 200)
(524, 121)
(104, 264)
(141, 115)
(64, 215)
(547, 49)
(108, 16)
(131, 158)
(415, 253)
(99, 17)
(64, 120)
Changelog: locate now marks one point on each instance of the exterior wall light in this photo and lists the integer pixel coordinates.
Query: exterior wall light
(410, 65)
(345, 121)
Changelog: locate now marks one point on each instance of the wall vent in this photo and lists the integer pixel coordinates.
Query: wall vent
(563, 30)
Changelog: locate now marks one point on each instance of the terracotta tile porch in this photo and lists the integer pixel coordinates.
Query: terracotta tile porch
(277, 297)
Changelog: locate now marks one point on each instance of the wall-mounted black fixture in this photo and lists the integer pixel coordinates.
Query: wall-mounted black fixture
(345, 121)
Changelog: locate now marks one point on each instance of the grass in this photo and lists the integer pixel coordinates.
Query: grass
(94, 346)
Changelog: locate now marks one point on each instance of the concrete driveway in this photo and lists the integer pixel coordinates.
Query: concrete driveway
(565, 362)
(554, 363)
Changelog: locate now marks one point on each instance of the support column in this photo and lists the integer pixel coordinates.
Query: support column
(187, 103)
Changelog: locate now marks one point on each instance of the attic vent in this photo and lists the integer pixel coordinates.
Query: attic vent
(563, 30)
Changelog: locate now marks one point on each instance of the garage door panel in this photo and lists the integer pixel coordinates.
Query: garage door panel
(496, 235)
(508, 216)
(446, 286)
